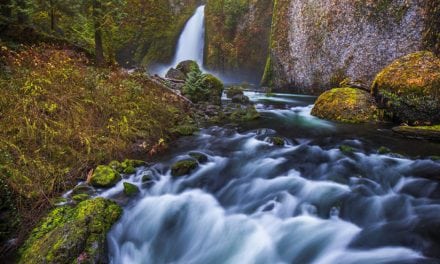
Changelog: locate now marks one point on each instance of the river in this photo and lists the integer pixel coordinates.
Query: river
(304, 202)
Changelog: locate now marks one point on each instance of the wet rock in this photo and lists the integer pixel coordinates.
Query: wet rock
(184, 167)
(69, 234)
(240, 99)
(80, 197)
(244, 113)
(185, 130)
(277, 141)
(409, 88)
(346, 149)
(421, 132)
(130, 189)
(127, 166)
(175, 74)
(200, 157)
(233, 91)
(384, 150)
(83, 189)
(348, 105)
(105, 177)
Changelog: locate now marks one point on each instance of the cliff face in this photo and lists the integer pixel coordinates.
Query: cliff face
(151, 30)
(317, 44)
(237, 37)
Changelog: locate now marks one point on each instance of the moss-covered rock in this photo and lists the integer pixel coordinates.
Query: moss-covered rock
(423, 132)
(277, 141)
(200, 157)
(244, 113)
(187, 66)
(130, 189)
(384, 150)
(128, 166)
(215, 88)
(409, 88)
(80, 197)
(233, 91)
(346, 149)
(104, 176)
(346, 105)
(70, 234)
(185, 130)
(175, 74)
(183, 167)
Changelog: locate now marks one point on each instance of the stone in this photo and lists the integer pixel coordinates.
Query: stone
(183, 167)
(200, 157)
(130, 189)
(187, 66)
(420, 132)
(69, 233)
(409, 88)
(175, 74)
(347, 105)
(240, 99)
(105, 177)
(233, 91)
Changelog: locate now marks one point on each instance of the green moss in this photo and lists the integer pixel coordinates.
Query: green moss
(244, 114)
(128, 166)
(233, 91)
(105, 176)
(423, 132)
(80, 197)
(409, 88)
(68, 232)
(346, 149)
(183, 167)
(130, 189)
(185, 130)
(277, 141)
(383, 150)
(348, 105)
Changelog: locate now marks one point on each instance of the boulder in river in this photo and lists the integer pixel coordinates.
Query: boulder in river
(72, 234)
(409, 88)
(233, 91)
(105, 177)
(348, 105)
(183, 167)
(130, 189)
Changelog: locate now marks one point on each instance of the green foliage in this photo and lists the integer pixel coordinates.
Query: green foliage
(201, 87)
(69, 233)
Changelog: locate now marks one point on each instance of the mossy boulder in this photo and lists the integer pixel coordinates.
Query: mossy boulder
(215, 88)
(184, 167)
(187, 66)
(127, 166)
(348, 105)
(409, 88)
(72, 234)
(130, 189)
(346, 149)
(277, 141)
(200, 157)
(175, 74)
(105, 177)
(233, 91)
(243, 114)
(422, 132)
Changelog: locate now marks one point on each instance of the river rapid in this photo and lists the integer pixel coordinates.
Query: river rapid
(304, 202)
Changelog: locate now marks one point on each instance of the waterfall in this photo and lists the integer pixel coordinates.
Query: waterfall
(192, 39)
(191, 42)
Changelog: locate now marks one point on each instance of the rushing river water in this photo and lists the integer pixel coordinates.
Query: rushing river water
(306, 202)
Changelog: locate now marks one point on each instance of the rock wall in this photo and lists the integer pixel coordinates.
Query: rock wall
(151, 29)
(237, 37)
(316, 44)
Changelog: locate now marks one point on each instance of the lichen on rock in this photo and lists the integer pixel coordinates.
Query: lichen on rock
(348, 105)
(69, 234)
(409, 88)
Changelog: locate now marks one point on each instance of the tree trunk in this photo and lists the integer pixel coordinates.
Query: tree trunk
(97, 16)
(52, 16)
(22, 17)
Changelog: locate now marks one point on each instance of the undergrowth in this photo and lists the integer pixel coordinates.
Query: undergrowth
(60, 117)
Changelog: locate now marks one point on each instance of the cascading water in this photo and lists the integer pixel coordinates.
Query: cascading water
(191, 41)
(304, 202)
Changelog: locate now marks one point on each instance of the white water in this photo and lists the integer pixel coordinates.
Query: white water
(191, 42)
(253, 202)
